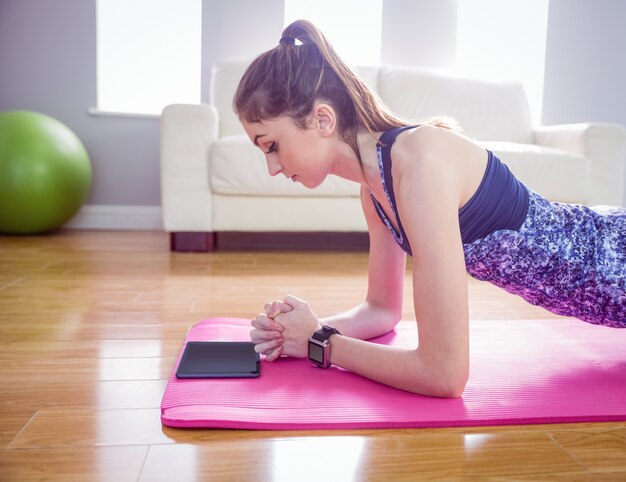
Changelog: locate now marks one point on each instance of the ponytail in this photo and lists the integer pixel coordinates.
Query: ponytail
(302, 69)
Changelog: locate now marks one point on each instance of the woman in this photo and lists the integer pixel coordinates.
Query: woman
(428, 192)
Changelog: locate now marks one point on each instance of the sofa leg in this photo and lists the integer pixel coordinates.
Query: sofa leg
(189, 242)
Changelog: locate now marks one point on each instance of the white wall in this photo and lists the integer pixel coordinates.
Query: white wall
(585, 77)
(237, 29)
(48, 59)
(419, 32)
(48, 48)
(47, 54)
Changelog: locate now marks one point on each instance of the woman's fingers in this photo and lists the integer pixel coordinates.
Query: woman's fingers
(267, 334)
(275, 308)
(274, 354)
(272, 309)
(258, 336)
(263, 322)
(267, 345)
(294, 302)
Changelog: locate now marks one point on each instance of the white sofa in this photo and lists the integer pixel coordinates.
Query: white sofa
(217, 193)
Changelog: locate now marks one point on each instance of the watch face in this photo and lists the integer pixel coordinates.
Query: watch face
(316, 353)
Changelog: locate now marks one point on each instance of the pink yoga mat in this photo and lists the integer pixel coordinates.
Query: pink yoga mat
(522, 372)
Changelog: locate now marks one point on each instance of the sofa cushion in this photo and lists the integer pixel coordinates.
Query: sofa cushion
(490, 111)
(239, 167)
(555, 174)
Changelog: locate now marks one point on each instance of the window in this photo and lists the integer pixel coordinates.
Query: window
(148, 54)
(504, 40)
(353, 27)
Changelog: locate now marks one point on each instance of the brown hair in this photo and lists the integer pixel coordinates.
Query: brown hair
(288, 79)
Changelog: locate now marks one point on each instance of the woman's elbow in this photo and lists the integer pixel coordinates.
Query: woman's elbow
(386, 318)
(439, 389)
(453, 390)
(455, 383)
(450, 384)
(393, 319)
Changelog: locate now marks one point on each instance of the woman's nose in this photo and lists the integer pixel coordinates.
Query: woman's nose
(274, 167)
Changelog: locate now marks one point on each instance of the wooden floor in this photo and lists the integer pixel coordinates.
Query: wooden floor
(91, 323)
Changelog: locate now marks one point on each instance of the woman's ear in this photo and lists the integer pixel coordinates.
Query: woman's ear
(325, 119)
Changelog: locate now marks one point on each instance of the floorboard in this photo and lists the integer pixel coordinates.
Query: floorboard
(91, 323)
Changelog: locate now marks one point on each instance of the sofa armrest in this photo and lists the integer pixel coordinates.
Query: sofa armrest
(604, 145)
(187, 133)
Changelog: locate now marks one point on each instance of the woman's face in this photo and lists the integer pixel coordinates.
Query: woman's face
(302, 155)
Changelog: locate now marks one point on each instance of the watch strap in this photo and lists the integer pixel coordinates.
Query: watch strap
(325, 333)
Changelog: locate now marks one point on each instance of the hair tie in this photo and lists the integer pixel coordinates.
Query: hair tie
(287, 40)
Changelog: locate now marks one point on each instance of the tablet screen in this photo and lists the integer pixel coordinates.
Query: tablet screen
(219, 359)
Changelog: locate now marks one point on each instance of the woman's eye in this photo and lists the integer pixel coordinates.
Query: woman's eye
(272, 148)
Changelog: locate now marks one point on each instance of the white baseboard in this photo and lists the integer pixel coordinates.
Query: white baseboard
(96, 216)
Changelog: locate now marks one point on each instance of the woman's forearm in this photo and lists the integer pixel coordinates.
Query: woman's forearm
(363, 322)
(405, 369)
(440, 371)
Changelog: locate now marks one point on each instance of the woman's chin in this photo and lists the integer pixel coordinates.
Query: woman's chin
(309, 183)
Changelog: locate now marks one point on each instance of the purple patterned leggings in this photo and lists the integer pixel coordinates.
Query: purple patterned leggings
(566, 258)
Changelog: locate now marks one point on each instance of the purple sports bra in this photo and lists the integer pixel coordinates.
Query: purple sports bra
(500, 202)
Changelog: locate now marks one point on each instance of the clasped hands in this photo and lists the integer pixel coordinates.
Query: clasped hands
(284, 328)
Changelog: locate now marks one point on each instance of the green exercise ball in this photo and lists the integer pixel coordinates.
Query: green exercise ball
(45, 173)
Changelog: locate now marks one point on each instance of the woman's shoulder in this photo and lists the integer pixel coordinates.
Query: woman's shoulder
(423, 144)
(425, 138)
(439, 156)
(435, 143)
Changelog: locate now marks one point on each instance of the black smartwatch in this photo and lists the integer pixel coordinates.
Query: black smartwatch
(319, 347)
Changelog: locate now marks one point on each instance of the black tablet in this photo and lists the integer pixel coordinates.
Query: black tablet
(219, 359)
